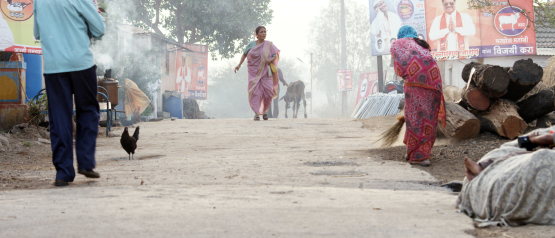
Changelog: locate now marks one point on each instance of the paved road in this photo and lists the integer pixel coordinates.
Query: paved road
(240, 178)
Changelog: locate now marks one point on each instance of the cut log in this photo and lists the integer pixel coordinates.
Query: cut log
(451, 93)
(537, 105)
(467, 69)
(491, 79)
(460, 124)
(475, 98)
(524, 76)
(546, 120)
(539, 87)
(502, 118)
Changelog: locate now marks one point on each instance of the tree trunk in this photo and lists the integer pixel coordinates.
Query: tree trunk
(467, 69)
(460, 123)
(491, 79)
(475, 98)
(524, 76)
(502, 118)
(537, 105)
(538, 88)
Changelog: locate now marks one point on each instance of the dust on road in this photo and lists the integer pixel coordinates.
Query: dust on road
(236, 178)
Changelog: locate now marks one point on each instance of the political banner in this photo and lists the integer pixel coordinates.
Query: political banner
(344, 80)
(509, 32)
(387, 16)
(368, 85)
(191, 71)
(455, 32)
(16, 27)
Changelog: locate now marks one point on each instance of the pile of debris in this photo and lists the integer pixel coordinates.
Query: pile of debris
(191, 110)
(379, 105)
(501, 100)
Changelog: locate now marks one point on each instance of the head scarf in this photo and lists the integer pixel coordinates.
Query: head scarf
(407, 31)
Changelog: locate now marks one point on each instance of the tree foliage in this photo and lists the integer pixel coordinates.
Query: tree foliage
(326, 43)
(222, 24)
(544, 11)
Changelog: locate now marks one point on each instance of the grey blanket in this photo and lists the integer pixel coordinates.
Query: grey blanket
(517, 189)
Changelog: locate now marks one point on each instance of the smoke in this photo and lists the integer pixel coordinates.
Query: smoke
(129, 51)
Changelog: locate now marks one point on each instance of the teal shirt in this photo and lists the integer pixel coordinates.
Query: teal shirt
(251, 45)
(62, 27)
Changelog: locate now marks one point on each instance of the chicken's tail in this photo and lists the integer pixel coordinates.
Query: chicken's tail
(136, 133)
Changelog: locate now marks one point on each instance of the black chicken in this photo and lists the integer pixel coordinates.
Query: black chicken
(129, 143)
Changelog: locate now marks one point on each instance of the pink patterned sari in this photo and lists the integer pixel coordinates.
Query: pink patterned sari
(424, 104)
(262, 88)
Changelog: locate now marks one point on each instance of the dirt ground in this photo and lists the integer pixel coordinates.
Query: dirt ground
(447, 156)
(328, 157)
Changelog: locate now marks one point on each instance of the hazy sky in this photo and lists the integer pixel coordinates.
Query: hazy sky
(289, 28)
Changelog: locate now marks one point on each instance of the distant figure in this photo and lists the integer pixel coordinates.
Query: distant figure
(452, 28)
(424, 104)
(275, 114)
(263, 84)
(69, 71)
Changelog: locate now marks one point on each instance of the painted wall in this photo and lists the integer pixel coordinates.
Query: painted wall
(453, 69)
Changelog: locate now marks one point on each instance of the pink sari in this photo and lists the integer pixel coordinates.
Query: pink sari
(262, 88)
(424, 104)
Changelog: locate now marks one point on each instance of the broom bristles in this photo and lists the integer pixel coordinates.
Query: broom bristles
(392, 134)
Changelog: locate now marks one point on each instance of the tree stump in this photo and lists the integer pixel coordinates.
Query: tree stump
(537, 105)
(524, 76)
(502, 118)
(475, 98)
(460, 123)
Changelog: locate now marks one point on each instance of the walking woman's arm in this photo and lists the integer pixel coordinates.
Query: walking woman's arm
(240, 63)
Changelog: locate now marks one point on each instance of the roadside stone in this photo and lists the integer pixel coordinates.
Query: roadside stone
(44, 134)
(4, 141)
(19, 128)
(41, 140)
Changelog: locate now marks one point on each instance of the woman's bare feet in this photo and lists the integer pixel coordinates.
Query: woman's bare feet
(472, 168)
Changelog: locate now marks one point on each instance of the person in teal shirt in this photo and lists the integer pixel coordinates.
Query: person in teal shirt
(65, 29)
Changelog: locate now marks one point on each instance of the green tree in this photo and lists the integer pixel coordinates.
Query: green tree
(326, 43)
(228, 97)
(544, 11)
(222, 24)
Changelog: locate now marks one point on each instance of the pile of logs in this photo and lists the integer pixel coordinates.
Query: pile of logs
(496, 99)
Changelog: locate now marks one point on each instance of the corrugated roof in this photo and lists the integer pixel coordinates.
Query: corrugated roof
(545, 37)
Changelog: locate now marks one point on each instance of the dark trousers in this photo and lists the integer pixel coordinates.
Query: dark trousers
(275, 105)
(59, 90)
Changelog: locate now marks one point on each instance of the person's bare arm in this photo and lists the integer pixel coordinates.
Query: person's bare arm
(240, 63)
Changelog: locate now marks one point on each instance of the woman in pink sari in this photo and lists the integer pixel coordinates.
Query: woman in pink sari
(424, 104)
(263, 84)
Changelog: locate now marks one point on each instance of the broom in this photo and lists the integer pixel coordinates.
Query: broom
(390, 136)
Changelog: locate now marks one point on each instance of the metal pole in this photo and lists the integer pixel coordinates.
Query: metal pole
(343, 57)
(380, 74)
(311, 90)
